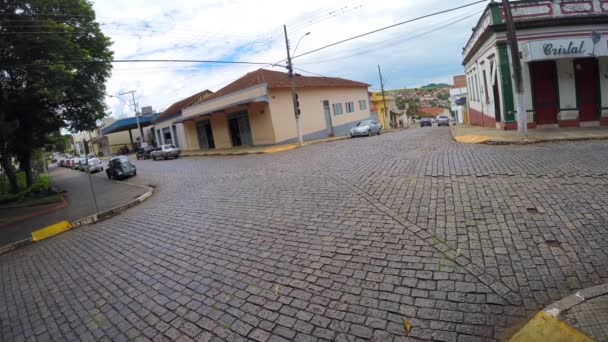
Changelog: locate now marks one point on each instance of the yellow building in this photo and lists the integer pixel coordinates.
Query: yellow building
(381, 110)
(257, 110)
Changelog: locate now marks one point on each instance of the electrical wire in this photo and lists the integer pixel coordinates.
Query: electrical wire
(389, 42)
(135, 61)
(388, 27)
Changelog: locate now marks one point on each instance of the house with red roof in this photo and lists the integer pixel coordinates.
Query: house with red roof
(257, 110)
(433, 112)
(167, 132)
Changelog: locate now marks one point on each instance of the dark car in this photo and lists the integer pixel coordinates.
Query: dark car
(144, 152)
(120, 167)
(426, 122)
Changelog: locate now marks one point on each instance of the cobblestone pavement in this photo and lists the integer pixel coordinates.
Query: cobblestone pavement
(341, 241)
(590, 317)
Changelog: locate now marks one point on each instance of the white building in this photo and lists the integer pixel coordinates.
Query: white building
(564, 54)
(458, 93)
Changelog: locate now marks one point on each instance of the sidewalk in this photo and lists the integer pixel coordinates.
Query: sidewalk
(79, 201)
(483, 135)
(583, 316)
(254, 149)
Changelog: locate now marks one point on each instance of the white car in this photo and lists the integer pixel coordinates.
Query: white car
(166, 151)
(94, 166)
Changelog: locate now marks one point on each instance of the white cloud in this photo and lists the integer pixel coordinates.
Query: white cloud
(412, 54)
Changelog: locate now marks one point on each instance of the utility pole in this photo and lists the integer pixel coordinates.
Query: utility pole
(86, 159)
(522, 118)
(141, 131)
(383, 99)
(294, 96)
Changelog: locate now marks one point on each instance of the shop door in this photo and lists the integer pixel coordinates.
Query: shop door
(240, 131)
(205, 134)
(328, 123)
(586, 73)
(545, 91)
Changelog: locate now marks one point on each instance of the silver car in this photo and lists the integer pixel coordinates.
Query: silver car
(443, 120)
(366, 127)
(94, 166)
(75, 163)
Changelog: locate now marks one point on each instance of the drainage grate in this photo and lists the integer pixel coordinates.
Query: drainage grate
(553, 243)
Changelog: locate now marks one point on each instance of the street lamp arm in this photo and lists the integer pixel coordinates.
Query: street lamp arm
(298, 44)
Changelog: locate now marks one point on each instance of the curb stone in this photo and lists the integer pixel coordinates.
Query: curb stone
(101, 216)
(577, 298)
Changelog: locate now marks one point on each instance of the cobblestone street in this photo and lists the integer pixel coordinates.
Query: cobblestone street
(348, 241)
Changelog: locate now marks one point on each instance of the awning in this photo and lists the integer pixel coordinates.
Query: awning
(222, 108)
(129, 123)
(461, 101)
(99, 139)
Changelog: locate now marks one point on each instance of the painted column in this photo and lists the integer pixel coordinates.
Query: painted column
(567, 90)
(506, 84)
(603, 67)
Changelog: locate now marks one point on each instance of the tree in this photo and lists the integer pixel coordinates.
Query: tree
(413, 107)
(54, 63)
(58, 142)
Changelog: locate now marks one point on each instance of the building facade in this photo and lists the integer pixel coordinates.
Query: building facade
(564, 54)
(458, 96)
(257, 110)
(168, 132)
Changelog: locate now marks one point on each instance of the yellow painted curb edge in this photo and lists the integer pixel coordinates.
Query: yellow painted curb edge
(51, 230)
(546, 328)
(472, 139)
(279, 148)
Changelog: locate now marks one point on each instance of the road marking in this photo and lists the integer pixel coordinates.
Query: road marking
(51, 230)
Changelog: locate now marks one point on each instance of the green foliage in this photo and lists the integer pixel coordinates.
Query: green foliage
(49, 81)
(42, 186)
(435, 85)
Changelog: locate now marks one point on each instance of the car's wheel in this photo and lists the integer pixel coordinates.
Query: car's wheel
(176, 156)
(165, 157)
(154, 158)
(379, 131)
(136, 156)
(369, 132)
(135, 173)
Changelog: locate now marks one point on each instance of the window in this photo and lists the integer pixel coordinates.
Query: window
(350, 107)
(337, 108)
(476, 89)
(485, 87)
(362, 105)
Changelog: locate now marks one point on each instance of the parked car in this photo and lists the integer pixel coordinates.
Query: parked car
(120, 167)
(443, 120)
(75, 163)
(144, 152)
(166, 151)
(94, 166)
(366, 127)
(82, 164)
(426, 122)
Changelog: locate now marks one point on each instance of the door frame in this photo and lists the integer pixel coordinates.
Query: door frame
(237, 115)
(328, 119)
(200, 124)
(598, 85)
(555, 82)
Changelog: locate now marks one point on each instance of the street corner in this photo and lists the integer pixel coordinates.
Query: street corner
(51, 230)
(546, 328)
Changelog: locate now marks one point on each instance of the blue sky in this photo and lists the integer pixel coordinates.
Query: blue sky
(410, 55)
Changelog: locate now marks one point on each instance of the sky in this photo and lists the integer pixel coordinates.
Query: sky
(410, 55)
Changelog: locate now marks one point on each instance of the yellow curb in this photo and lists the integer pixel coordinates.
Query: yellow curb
(51, 230)
(546, 328)
(471, 139)
(282, 148)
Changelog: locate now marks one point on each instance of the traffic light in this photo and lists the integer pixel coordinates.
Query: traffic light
(297, 105)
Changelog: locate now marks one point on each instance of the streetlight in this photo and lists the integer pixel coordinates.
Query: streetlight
(298, 44)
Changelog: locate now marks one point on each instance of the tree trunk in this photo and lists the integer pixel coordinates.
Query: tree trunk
(7, 166)
(25, 162)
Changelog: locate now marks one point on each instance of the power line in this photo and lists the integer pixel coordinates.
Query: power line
(388, 27)
(310, 72)
(136, 61)
(451, 21)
